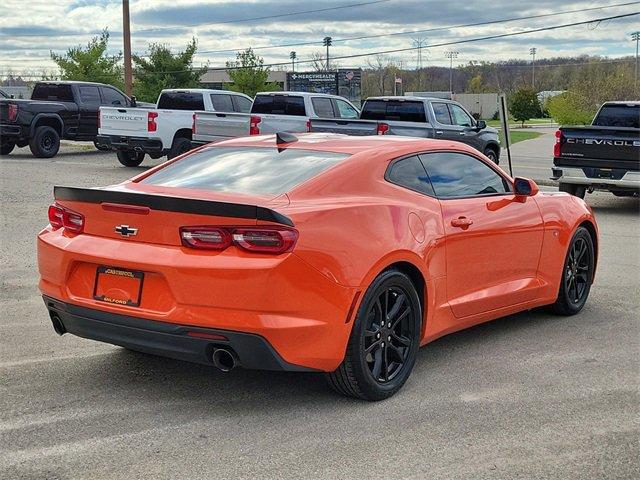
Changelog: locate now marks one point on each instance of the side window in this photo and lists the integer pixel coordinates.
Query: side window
(409, 173)
(89, 95)
(459, 116)
(221, 103)
(346, 110)
(279, 105)
(459, 175)
(111, 96)
(442, 113)
(241, 104)
(295, 106)
(323, 107)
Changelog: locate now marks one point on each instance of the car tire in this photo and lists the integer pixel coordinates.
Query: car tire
(129, 158)
(575, 190)
(6, 148)
(45, 142)
(491, 154)
(179, 146)
(577, 274)
(102, 147)
(374, 367)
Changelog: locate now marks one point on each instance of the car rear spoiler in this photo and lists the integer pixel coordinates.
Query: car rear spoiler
(171, 204)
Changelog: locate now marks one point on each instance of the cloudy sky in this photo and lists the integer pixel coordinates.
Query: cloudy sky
(224, 26)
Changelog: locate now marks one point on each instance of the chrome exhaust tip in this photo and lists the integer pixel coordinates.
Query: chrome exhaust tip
(223, 359)
(58, 326)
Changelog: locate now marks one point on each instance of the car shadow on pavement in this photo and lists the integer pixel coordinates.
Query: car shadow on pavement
(619, 205)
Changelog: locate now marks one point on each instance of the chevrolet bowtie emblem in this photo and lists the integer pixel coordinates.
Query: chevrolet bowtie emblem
(126, 230)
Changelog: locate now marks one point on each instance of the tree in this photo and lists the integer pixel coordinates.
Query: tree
(249, 74)
(162, 69)
(475, 85)
(524, 105)
(569, 109)
(91, 63)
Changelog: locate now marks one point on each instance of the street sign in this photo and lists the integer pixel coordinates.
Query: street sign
(316, 82)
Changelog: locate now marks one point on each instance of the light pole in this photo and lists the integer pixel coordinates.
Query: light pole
(451, 54)
(532, 52)
(636, 37)
(327, 43)
(293, 57)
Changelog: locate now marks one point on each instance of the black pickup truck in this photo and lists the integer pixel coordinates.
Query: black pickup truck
(67, 110)
(602, 156)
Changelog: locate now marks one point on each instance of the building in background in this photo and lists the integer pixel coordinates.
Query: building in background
(480, 105)
(217, 79)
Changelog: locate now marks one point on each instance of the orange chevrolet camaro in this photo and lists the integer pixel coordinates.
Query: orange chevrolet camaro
(311, 253)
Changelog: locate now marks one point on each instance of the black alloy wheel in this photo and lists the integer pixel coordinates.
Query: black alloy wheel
(577, 274)
(384, 341)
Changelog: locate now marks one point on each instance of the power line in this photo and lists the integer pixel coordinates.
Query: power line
(444, 44)
(224, 22)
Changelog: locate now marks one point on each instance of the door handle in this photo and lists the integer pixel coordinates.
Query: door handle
(222, 115)
(461, 222)
(439, 132)
(462, 133)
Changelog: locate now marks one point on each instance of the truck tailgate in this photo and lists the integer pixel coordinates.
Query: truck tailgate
(609, 147)
(212, 126)
(347, 127)
(118, 121)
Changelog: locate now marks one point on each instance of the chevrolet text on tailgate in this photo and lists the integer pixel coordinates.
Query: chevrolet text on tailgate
(602, 156)
(272, 112)
(167, 129)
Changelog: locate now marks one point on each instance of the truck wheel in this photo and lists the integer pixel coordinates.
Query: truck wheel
(6, 148)
(384, 341)
(100, 146)
(575, 190)
(491, 154)
(45, 143)
(129, 158)
(179, 146)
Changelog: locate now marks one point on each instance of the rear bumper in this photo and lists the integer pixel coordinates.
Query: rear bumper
(138, 144)
(578, 176)
(14, 132)
(166, 339)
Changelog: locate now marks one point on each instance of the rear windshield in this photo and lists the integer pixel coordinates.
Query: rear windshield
(52, 91)
(181, 101)
(279, 105)
(393, 110)
(247, 170)
(618, 116)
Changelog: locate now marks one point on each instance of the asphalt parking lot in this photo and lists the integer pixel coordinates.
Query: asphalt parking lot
(528, 396)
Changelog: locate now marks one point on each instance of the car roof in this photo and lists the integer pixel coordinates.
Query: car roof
(302, 94)
(202, 90)
(338, 143)
(405, 98)
(622, 102)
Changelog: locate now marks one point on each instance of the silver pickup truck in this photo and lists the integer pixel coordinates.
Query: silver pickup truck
(416, 117)
(272, 112)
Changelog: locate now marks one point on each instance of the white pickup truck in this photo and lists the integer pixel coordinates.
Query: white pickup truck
(166, 129)
(272, 112)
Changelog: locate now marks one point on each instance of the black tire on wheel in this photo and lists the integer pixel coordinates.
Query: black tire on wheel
(100, 146)
(491, 154)
(6, 148)
(179, 146)
(45, 142)
(575, 190)
(577, 274)
(384, 341)
(129, 158)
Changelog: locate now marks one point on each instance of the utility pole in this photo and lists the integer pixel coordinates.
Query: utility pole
(293, 57)
(451, 54)
(636, 37)
(327, 43)
(532, 52)
(418, 44)
(126, 32)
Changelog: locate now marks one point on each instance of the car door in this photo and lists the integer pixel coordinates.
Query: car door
(444, 128)
(493, 237)
(88, 105)
(464, 124)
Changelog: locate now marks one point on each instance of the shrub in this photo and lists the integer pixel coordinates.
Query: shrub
(570, 108)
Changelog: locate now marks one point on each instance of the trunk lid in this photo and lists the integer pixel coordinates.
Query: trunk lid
(609, 146)
(116, 120)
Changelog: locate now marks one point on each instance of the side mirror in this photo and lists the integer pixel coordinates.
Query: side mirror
(481, 124)
(525, 187)
(134, 102)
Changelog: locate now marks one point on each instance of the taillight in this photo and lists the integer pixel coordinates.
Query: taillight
(557, 147)
(308, 125)
(383, 128)
(61, 217)
(152, 126)
(193, 125)
(207, 238)
(274, 240)
(254, 129)
(12, 111)
(99, 118)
